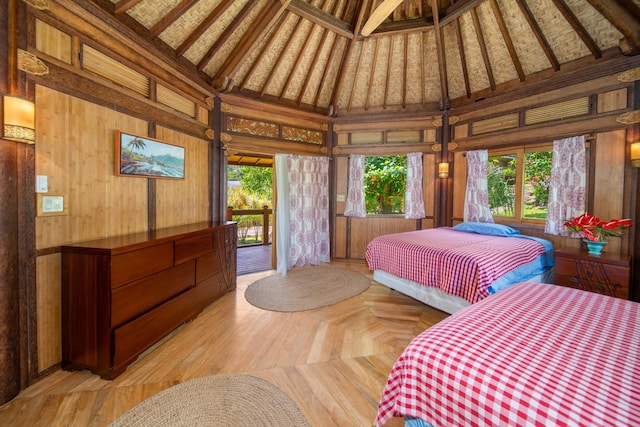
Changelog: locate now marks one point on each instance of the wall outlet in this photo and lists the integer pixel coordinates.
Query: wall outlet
(42, 184)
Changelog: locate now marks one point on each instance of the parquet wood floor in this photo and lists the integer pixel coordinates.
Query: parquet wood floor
(332, 361)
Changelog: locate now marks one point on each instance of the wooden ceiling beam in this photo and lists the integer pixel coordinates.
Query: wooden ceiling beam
(483, 49)
(282, 55)
(321, 18)
(463, 57)
(388, 77)
(298, 60)
(171, 17)
(266, 49)
(544, 44)
(237, 21)
(507, 39)
(372, 75)
(577, 26)
(442, 62)
(124, 5)
(316, 55)
(346, 58)
(363, 46)
(624, 16)
(251, 40)
(204, 26)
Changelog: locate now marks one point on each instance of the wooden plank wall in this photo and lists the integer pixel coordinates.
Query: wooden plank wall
(76, 151)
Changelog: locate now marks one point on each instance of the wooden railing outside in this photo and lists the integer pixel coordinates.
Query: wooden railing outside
(254, 225)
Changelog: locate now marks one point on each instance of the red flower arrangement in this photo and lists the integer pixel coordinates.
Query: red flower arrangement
(595, 230)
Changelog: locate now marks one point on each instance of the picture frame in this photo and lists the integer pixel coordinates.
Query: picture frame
(144, 157)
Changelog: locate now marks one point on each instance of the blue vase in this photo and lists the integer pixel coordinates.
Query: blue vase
(595, 248)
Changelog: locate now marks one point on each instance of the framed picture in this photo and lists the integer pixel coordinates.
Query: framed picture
(140, 156)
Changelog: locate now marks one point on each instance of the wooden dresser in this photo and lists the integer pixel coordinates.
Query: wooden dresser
(121, 295)
(612, 272)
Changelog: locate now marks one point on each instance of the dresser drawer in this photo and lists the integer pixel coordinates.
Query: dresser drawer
(193, 247)
(137, 264)
(135, 298)
(136, 336)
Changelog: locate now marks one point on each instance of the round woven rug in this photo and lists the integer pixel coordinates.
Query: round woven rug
(306, 288)
(218, 400)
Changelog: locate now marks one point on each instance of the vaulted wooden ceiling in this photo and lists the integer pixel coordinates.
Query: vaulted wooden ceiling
(427, 54)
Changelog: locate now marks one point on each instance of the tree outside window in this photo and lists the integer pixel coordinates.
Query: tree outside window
(518, 184)
(385, 179)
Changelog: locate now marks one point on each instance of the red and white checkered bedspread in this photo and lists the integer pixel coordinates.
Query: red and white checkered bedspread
(532, 354)
(459, 263)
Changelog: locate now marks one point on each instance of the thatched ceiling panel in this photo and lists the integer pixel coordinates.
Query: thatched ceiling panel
(149, 12)
(476, 70)
(433, 90)
(395, 91)
(304, 58)
(601, 30)
(288, 58)
(239, 54)
(414, 71)
(326, 91)
(227, 49)
(455, 75)
(270, 58)
(564, 41)
(501, 62)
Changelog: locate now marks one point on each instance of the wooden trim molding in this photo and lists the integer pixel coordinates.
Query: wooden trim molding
(629, 118)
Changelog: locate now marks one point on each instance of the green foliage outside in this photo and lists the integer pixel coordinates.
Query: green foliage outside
(385, 180)
(501, 179)
(254, 193)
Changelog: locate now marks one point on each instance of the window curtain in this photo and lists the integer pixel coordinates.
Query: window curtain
(568, 183)
(355, 205)
(476, 201)
(302, 211)
(413, 200)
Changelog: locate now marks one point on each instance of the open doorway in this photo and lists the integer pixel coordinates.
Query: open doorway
(250, 186)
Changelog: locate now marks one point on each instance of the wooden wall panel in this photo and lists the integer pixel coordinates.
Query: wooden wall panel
(76, 149)
(48, 299)
(428, 184)
(342, 175)
(608, 193)
(184, 201)
(459, 185)
(365, 229)
(340, 240)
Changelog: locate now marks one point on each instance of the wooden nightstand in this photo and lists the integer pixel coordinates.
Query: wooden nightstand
(609, 273)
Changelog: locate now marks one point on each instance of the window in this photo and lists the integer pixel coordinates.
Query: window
(385, 179)
(518, 183)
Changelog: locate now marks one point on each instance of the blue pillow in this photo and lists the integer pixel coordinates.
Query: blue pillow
(486, 228)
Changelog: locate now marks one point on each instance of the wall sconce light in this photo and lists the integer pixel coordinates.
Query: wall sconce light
(635, 154)
(19, 121)
(443, 170)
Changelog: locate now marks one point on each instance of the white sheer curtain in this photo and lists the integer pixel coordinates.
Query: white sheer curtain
(413, 200)
(476, 201)
(302, 211)
(568, 184)
(355, 205)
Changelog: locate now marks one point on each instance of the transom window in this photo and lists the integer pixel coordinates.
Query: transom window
(385, 179)
(518, 183)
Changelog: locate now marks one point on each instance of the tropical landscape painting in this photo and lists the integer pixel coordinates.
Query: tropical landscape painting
(144, 157)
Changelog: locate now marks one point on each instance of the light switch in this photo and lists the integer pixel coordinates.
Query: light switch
(42, 184)
(340, 198)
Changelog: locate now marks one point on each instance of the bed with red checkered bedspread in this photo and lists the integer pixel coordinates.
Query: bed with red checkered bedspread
(532, 354)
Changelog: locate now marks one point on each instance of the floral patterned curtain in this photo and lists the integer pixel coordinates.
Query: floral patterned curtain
(355, 205)
(413, 200)
(568, 184)
(306, 183)
(476, 202)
